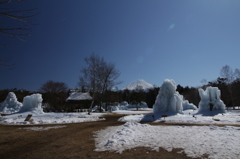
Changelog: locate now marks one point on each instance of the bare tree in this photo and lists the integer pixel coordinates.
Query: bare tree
(90, 75)
(53, 87)
(98, 76)
(237, 73)
(109, 76)
(54, 94)
(227, 73)
(16, 20)
(14, 23)
(204, 81)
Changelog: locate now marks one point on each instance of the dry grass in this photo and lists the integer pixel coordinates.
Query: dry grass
(73, 141)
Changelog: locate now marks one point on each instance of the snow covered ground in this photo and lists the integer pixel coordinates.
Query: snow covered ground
(196, 141)
(49, 118)
(189, 117)
(134, 111)
(60, 118)
(43, 128)
(230, 118)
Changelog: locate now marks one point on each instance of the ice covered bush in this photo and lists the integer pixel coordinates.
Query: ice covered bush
(210, 100)
(97, 108)
(32, 103)
(10, 104)
(117, 108)
(124, 103)
(168, 99)
(138, 105)
(144, 104)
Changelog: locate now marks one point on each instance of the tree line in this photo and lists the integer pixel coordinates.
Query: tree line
(99, 77)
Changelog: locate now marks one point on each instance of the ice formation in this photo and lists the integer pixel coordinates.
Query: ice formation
(168, 99)
(210, 100)
(32, 103)
(124, 103)
(97, 108)
(116, 108)
(10, 104)
(139, 105)
(187, 105)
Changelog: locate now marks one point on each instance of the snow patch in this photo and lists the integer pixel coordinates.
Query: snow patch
(50, 118)
(196, 141)
(43, 128)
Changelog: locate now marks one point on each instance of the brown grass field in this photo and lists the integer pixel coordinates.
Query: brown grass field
(73, 141)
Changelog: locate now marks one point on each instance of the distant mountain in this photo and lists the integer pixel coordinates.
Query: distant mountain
(139, 84)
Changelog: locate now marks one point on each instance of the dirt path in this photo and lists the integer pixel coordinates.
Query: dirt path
(72, 141)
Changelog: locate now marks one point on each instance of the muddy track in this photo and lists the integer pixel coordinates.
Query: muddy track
(73, 141)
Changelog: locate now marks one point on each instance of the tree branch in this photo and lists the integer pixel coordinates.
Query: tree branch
(4, 61)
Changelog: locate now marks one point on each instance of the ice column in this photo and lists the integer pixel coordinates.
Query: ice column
(210, 99)
(168, 99)
(10, 104)
(32, 103)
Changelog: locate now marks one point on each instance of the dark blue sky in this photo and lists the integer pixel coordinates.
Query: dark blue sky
(184, 40)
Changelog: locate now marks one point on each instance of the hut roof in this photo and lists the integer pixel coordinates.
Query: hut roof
(79, 96)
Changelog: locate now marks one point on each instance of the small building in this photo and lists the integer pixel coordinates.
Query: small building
(79, 101)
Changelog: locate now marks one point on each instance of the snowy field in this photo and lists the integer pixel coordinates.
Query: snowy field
(170, 107)
(232, 117)
(50, 118)
(196, 141)
(134, 111)
(60, 118)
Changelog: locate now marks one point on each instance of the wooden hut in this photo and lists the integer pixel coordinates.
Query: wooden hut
(79, 101)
